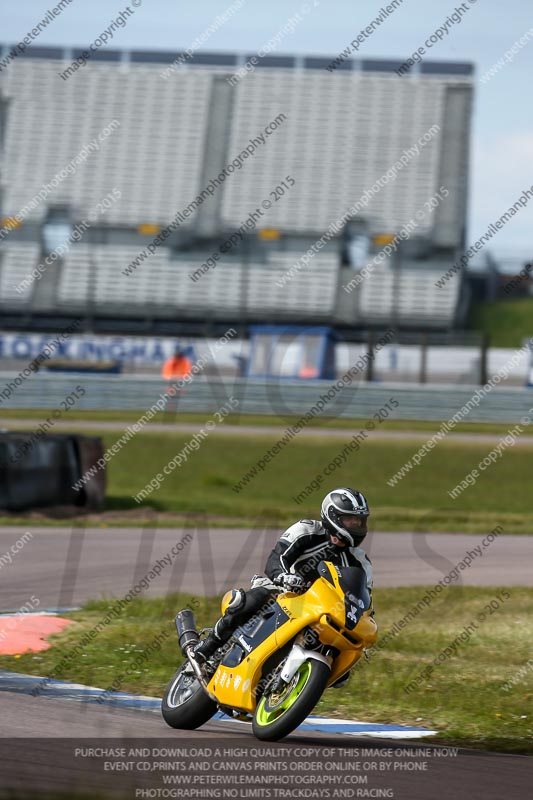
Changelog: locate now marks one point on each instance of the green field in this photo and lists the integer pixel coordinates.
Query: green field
(507, 322)
(200, 491)
(204, 484)
(464, 698)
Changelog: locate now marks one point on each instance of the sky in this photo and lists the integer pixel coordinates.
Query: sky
(502, 132)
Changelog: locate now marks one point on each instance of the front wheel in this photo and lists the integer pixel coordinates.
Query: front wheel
(279, 713)
(185, 705)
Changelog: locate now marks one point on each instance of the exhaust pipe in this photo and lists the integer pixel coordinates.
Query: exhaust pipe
(188, 637)
(186, 628)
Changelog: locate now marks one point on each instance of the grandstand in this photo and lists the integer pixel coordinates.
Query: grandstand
(14, 266)
(398, 296)
(161, 139)
(92, 276)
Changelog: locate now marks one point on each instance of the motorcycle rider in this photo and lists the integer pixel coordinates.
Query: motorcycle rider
(293, 562)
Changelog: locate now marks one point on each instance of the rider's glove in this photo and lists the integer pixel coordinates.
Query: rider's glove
(291, 582)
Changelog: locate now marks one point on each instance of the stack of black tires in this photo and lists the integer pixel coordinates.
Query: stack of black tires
(46, 473)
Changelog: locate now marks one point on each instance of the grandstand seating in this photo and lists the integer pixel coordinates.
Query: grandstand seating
(16, 264)
(162, 285)
(401, 296)
(339, 137)
(154, 156)
(340, 134)
(91, 275)
(94, 274)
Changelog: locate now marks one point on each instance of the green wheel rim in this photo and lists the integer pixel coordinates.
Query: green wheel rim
(265, 717)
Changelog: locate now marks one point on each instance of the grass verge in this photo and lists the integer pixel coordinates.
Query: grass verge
(204, 484)
(463, 698)
(201, 491)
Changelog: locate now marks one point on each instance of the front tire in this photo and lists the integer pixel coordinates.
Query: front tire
(278, 714)
(185, 705)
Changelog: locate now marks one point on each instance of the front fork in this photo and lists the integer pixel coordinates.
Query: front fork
(294, 661)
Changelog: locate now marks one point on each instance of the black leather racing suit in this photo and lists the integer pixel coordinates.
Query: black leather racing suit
(300, 549)
(304, 545)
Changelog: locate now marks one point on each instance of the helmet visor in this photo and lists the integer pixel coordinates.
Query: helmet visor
(354, 523)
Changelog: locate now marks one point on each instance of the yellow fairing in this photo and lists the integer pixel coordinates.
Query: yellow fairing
(233, 686)
(323, 609)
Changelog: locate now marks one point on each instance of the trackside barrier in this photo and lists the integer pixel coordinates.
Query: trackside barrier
(429, 402)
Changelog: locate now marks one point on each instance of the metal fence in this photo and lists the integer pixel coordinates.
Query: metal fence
(281, 398)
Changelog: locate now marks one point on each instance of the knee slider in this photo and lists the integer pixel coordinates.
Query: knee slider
(233, 601)
(237, 600)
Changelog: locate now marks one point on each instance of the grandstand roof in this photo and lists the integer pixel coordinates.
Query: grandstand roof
(214, 59)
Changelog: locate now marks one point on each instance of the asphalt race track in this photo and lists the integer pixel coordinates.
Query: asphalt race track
(65, 567)
(256, 430)
(52, 731)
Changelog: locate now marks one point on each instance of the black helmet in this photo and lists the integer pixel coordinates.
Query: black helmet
(345, 503)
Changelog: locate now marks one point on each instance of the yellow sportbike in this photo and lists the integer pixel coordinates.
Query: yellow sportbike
(276, 666)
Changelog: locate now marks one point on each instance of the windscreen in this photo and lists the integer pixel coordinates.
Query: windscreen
(357, 597)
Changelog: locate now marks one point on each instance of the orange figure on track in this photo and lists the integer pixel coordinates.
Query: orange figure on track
(177, 367)
(308, 371)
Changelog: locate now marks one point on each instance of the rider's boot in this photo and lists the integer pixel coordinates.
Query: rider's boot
(223, 627)
(215, 639)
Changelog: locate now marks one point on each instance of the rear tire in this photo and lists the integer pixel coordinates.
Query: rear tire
(279, 714)
(185, 705)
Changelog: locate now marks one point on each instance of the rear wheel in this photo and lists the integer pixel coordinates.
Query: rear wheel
(279, 713)
(185, 704)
